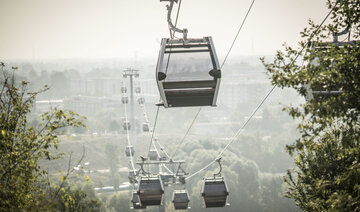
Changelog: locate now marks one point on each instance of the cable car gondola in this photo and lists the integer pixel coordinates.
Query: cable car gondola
(166, 178)
(145, 127)
(141, 101)
(180, 199)
(150, 191)
(123, 89)
(125, 100)
(136, 202)
(321, 90)
(126, 125)
(128, 150)
(214, 192)
(137, 90)
(188, 72)
(153, 154)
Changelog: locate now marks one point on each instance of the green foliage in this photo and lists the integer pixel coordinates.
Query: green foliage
(73, 197)
(23, 145)
(327, 154)
(119, 202)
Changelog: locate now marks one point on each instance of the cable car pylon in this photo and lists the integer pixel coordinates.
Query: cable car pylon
(131, 73)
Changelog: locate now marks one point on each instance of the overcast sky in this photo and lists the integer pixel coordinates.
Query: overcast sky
(55, 29)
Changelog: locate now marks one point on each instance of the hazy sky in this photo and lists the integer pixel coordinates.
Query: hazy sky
(52, 29)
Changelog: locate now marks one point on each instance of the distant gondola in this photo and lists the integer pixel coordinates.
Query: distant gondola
(321, 90)
(137, 90)
(180, 199)
(126, 125)
(125, 100)
(153, 154)
(136, 201)
(141, 101)
(145, 127)
(129, 151)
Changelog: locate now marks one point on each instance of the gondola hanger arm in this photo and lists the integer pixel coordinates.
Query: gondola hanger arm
(345, 31)
(142, 170)
(337, 34)
(218, 160)
(171, 25)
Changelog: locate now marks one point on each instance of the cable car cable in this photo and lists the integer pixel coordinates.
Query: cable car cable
(177, 16)
(187, 132)
(157, 112)
(153, 131)
(236, 135)
(162, 148)
(172, 35)
(223, 63)
(238, 32)
(262, 102)
(147, 121)
(128, 139)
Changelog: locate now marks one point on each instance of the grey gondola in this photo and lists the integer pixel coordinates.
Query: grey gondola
(141, 101)
(125, 100)
(126, 125)
(150, 191)
(188, 73)
(322, 91)
(137, 90)
(132, 176)
(123, 89)
(129, 151)
(145, 127)
(167, 178)
(214, 192)
(153, 154)
(180, 199)
(136, 201)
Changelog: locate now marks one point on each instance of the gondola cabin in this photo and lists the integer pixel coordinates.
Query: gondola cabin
(123, 89)
(150, 191)
(137, 90)
(126, 125)
(167, 178)
(323, 86)
(188, 73)
(145, 127)
(214, 192)
(129, 151)
(125, 100)
(141, 100)
(136, 201)
(153, 154)
(180, 199)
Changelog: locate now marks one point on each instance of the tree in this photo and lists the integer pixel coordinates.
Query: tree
(76, 199)
(119, 202)
(23, 145)
(327, 174)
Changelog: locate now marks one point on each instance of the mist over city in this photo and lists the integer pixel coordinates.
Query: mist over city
(252, 109)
